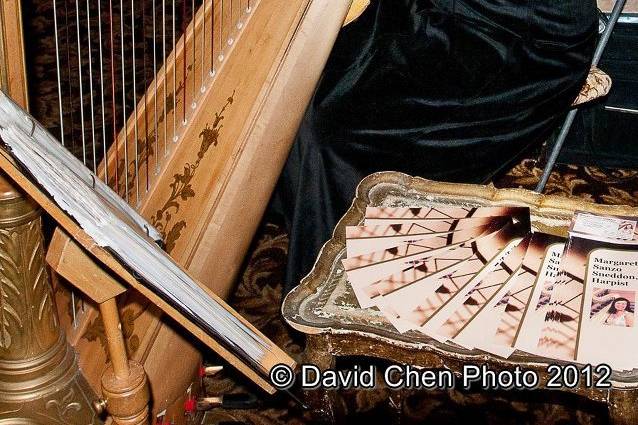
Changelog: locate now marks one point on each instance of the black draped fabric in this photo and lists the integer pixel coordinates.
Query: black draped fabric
(443, 89)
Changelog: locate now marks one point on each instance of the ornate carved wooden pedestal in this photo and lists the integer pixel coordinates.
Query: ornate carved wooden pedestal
(325, 308)
(40, 382)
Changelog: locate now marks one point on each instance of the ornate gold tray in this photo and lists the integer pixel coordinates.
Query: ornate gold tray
(324, 305)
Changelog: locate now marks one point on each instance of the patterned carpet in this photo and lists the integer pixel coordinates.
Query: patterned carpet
(258, 297)
(613, 186)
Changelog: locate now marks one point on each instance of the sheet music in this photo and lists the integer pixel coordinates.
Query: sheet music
(12, 116)
(114, 225)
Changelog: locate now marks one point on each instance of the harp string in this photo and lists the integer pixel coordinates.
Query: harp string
(91, 100)
(57, 68)
(67, 40)
(145, 149)
(221, 31)
(155, 94)
(61, 113)
(164, 97)
(79, 51)
(136, 159)
(184, 55)
(113, 105)
(99, 20)
(193, 43)
(203, 37)
(125, 132)
(212, 38)
(174, 77)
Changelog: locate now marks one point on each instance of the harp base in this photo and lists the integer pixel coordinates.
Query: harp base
(46, 390)
(40, 382)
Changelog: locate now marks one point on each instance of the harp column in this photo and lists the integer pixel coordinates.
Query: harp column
(40, 382)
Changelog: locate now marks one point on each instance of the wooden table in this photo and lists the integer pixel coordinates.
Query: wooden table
(324, 307)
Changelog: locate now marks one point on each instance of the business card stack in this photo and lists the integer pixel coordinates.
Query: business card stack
(482, 279)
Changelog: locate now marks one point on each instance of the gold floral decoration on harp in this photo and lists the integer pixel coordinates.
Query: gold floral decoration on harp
(181, 188)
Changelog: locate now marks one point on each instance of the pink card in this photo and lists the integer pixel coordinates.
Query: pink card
(385, 215)
(526, 301)
(369, 268)
(484, 323)
(417, 303)
(594, 242)
(460, 310)
(414, 272)
(366, 239)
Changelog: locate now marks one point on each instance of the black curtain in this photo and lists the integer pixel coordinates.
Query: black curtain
(448, 90)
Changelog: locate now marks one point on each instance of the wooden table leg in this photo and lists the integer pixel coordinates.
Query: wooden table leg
(324, 404)
(623, 407)
(124, 384)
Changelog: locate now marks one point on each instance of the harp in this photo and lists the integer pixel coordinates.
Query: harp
(187, 109)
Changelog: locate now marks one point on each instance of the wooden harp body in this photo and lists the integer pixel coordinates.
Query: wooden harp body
(198, 157)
